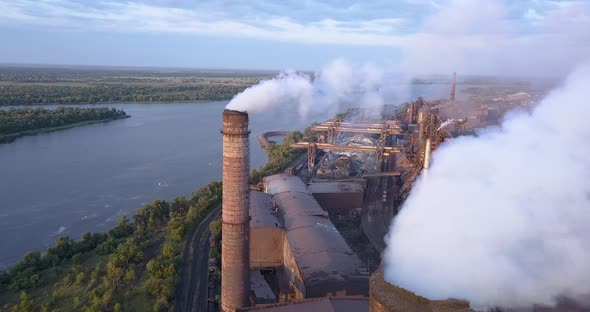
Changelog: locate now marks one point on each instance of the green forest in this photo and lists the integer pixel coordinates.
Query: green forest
(109, 93)
(133, 267)
(31, 86)
(27, 119)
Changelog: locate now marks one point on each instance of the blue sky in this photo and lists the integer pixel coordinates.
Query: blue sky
(423, 35)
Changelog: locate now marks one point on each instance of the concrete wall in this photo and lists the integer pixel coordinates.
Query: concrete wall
(293, 272)
(334, 288)
(266, 247)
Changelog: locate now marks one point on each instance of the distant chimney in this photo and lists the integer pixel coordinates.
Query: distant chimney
(453, 82)
(235, 258)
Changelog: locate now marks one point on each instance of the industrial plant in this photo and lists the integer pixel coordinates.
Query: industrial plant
(284, 247)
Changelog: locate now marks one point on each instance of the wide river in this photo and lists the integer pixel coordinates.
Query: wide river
(84, 179)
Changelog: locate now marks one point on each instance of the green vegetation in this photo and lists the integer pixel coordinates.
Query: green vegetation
(133, 267)
(25, 121)
(280, 156)
(29, 86)
(215, 254)
(215, 227)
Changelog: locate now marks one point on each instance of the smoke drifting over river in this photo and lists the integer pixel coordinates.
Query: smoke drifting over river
(335, 86)
(502, 218)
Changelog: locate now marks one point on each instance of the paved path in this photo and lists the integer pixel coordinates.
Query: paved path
(191, 294)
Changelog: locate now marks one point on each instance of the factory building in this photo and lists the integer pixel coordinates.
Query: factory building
(293, 235)
(339, 198)
(384, 297)
(281, 252)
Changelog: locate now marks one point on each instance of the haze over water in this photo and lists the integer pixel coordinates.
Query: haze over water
(84, 179)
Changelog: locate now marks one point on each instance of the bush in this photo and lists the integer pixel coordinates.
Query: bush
(80, 278)
(215, 227)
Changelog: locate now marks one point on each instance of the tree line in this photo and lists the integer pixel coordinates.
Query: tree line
(29, 119)
(15, 94)
(132, 268)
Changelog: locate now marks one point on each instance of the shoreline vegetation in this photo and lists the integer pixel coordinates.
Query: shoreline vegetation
(135, 266)
(63, 85)
(15, 123)
(60, 85)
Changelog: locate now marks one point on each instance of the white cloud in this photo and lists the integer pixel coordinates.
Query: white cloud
(139, 17)
(482, 37)
(533, 15)
(435, 36)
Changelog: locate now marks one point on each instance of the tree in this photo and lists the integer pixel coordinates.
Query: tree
(80, 278)
(175, 229)
(64, 247)
(119, 267)
(25, 304)
(170, 250)
(180, 205)
(159, 211)
(123, 228)
(215, 227)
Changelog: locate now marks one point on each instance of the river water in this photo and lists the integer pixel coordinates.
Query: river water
(84, 179)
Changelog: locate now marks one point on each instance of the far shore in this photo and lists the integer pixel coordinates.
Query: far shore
(7, 138)
(115, 102)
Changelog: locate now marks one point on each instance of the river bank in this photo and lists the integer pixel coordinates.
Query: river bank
(7, 138)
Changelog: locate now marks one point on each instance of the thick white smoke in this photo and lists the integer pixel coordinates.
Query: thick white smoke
(338, 84)
(503, 218)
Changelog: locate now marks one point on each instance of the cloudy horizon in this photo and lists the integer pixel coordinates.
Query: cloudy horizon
(539, 37)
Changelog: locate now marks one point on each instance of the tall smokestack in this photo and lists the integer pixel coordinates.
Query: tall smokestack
(235, 256)
(453, 82)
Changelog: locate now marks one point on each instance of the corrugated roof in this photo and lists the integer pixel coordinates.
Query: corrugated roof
(280, 183)
(261, 211)
(320, 251)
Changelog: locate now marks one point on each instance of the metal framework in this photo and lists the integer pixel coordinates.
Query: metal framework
(359, 148)
(311, 151)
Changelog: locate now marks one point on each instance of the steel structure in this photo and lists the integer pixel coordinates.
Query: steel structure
(312, 148)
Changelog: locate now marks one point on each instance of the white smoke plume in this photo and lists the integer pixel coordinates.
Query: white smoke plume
(503, 218)
(487, 37)
(338, 84)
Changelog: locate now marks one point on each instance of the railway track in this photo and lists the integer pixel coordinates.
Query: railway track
(192, 291)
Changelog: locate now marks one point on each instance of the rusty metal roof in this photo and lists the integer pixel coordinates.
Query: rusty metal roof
(262, 212)
(320, 251)
(279, 183)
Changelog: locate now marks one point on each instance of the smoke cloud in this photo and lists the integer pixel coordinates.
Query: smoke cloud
(331, 89)
(502, 218)
(487, 37)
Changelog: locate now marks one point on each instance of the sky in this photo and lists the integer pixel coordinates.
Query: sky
(544, 37)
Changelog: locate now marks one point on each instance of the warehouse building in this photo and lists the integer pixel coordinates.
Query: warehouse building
(293, 236)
